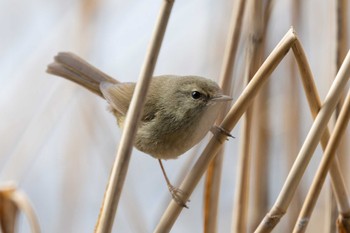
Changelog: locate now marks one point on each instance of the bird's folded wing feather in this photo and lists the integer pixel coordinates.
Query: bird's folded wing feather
(118, 95)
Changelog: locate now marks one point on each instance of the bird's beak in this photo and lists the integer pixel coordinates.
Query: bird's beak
(221, 98)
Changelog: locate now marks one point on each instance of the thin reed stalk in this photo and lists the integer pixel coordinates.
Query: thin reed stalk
(341, 48)
(260, 130)
(309, 146)
(120, 166)
(241, 196)
(240, 106)
(293, 121)
(213, 178)
(315, 106)
(322, 170)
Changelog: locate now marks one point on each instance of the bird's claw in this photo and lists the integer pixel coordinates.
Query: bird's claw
(218, 129)
(177, 195)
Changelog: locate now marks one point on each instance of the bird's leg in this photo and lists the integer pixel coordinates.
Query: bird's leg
(175, 192)
(215, 129)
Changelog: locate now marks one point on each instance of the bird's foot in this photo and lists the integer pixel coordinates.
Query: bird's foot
(177, 195)
(219, 130)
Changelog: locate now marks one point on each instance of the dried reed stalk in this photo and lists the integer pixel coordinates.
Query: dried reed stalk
(315, 106)
(229, 122)
(342, 45)
(322, 170)
(120, 166)
(260, 130)
(259, 138)
(241, 196)
(341, 48)
(312, 139)
(213, 178)
(292, 122)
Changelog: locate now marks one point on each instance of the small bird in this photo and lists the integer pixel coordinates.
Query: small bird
(179, 110)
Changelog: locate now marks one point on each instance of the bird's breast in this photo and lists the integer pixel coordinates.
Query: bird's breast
(171, 138)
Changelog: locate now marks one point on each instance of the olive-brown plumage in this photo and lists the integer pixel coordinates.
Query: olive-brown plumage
(179, 110)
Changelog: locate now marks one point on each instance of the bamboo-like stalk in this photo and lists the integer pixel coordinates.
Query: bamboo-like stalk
(213, 178)
(120, 166)
(341, 48)
(260, 130)
(231, 119)
(343, 150)
(315, 106)
(312, 139)
(322, 170)
(292, 123)
(241, 196)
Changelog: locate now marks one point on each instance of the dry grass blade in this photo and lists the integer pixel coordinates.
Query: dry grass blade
(8, 212)
(120, 166)
(229, 122)
(325, 164)
(212, 186)
(304, 156)
(11, 202)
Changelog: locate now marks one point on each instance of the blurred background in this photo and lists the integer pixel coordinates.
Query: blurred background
(58, 141)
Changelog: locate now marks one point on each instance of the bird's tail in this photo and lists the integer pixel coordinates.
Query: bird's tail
(74, 68)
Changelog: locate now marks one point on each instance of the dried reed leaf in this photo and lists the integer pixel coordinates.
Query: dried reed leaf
(12, 201)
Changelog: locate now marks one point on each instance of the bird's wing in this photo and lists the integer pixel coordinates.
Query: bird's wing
(118, 95)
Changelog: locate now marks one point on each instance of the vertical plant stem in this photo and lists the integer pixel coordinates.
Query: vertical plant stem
(241, 198)
(293, 121)
(309, 146)
(213, 178)
(120, 166)
(260, 121)
(240, 106)
(341, 47)
(322, 170)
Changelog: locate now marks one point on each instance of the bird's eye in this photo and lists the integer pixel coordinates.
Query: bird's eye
(196, 95)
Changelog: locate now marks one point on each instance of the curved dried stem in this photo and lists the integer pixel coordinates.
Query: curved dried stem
(11, 202)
